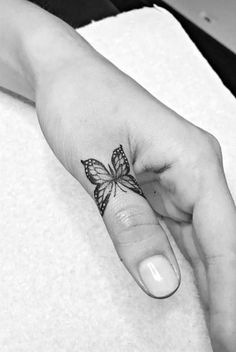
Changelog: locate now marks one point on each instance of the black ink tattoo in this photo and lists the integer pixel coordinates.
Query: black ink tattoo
(108, 180)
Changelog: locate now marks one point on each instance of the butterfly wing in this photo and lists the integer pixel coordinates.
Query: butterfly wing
(102, 194)
(122, 170)
(129, 182)
(96, 172)
(120, 162)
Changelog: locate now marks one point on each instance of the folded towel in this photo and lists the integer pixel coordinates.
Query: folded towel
(62, 285)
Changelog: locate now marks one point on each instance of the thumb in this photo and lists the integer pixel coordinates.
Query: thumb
(137, 235)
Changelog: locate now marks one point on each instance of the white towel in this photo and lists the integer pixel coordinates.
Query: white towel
(62, 287)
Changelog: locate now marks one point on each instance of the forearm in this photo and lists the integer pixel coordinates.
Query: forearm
(34, 44)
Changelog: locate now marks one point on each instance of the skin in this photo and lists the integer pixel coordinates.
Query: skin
(86, 108)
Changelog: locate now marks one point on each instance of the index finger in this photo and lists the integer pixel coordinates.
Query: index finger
(214, 221)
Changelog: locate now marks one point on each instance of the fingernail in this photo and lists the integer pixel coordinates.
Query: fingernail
(158, 276)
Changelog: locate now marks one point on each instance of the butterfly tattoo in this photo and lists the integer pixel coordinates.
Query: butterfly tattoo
(108, 180)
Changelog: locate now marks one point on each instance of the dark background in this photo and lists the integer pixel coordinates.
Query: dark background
(80, 12)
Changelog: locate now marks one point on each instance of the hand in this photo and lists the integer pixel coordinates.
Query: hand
(98, 115)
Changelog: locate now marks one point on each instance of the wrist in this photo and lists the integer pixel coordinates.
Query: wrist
(34, 44)
(50, 50)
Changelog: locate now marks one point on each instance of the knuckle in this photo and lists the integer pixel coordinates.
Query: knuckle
(214, 145)
(204, 159)
(130, 222)
(208, 153)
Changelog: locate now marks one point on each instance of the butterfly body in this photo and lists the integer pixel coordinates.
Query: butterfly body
(107, 180)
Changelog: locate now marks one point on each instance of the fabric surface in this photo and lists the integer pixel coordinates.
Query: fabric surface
(62, 285)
